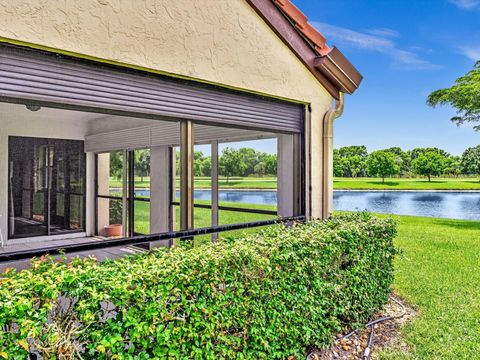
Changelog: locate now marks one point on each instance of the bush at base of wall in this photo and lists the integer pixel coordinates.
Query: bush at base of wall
(268, 295)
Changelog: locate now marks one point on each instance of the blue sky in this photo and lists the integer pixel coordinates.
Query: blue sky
(405, 50)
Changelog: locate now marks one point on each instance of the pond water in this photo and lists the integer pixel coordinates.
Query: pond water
(454, 205)
(260, 197)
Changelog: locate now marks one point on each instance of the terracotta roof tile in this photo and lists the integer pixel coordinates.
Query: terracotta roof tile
(316, 39)
(331, 68)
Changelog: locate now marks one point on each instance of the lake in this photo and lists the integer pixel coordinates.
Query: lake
(260, 197)
(453, 205)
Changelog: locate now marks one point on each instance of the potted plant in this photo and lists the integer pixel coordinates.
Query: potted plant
(113, 230)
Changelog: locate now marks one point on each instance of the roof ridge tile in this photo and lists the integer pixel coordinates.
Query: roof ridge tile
(300, 21)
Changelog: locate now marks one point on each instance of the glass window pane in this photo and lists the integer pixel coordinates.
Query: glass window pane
(43, 174)
(109, 212)
(142, 217)
(77, 212)
(141, 171)
(110, 173)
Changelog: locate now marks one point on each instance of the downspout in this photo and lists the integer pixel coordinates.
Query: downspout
(327, 181)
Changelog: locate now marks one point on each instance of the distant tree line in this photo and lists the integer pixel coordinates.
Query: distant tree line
(355, 161)
(242, 162)
(348, 161)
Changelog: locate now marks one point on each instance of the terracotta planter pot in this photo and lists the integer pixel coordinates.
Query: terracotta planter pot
(113, 230)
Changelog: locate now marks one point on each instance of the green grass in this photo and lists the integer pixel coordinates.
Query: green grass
(202, 217)
(205, 183)
(406, 184)
(339, 183)
(439, 274)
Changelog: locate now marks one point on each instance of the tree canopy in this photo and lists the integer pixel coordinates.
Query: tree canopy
(382, 163)
(471, 160)
(231, 163)
(349, 161)
(429, 163)
(464, 96)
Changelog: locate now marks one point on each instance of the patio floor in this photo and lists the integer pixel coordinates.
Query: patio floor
(100, 254)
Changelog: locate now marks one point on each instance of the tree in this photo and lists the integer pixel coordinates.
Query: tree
(382, 163)
(471, 160)
(260, 169)
(250, 157)
(354, 165)
(198, 163)
(347, 151)
(429, 163)
(418, 151)
(231, 163)
(337, 163)
(116, 164)
(402, 158)
(349, 161)
(142, 163)
(453, 166)
(207, 166)
(270, 161)
(464, 96)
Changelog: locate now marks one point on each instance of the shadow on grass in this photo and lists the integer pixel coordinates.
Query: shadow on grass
(386, 183)
(472, 181)
(459, 224)
(229, 183)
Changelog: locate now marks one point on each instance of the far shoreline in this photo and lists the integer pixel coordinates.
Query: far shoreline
(412, 190)
(335, 189)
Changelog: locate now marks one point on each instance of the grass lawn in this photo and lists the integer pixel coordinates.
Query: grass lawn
(339, 183)
(202, 217)
(406, 184)
(439, 274)
(205, 183)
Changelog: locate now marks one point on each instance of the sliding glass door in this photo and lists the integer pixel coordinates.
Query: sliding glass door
(123, 193)
(46, 186)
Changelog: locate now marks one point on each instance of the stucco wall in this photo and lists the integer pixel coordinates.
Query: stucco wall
(216, 40)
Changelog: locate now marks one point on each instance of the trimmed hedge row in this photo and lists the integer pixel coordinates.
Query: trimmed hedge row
(267, 295)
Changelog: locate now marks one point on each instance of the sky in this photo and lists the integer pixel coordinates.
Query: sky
(405, 49)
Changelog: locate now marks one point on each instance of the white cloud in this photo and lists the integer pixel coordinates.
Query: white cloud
(472, 52)
(384, 32)
(378, 40)
(466, 4)
(355, 38)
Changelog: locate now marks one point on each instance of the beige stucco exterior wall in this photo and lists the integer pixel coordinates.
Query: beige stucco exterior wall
(220, 41)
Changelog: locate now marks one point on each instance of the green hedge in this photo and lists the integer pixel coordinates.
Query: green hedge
(267, 295)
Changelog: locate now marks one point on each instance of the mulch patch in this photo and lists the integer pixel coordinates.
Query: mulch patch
(386, 335)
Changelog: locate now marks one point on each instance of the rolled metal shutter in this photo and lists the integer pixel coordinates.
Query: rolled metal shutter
(165, 134)
(43, 78)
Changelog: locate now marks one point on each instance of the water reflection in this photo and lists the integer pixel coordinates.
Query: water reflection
(246, 197)
(454, 205)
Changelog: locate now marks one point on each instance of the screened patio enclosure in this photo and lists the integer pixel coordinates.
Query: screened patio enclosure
(73, 131)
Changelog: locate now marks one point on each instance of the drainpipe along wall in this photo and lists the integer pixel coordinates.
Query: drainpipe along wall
(332, 114)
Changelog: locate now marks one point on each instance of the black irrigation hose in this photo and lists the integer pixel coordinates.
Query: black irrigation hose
(371, 324)
(366, 353)
(368, 349)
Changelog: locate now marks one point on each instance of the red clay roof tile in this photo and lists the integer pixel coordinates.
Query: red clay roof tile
(327, 64)
(300, 21)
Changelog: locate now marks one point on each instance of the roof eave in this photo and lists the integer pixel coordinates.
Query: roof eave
(339, 71)
(329, 67)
